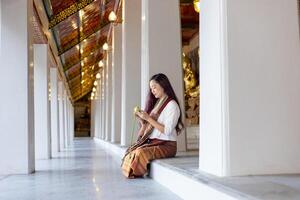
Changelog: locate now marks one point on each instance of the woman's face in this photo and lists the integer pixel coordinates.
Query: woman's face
(156, 89)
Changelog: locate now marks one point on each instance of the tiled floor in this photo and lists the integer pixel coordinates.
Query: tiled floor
(82, 172)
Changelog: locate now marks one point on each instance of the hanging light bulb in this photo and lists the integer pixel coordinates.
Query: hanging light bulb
(112, 16)
(98, 75)
(92, 94)
(197, 5)
(81, 13)
(105, 46)
(101, 64)
(95, 83)
(94, 89)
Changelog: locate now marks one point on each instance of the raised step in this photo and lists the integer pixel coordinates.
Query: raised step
(181, 175)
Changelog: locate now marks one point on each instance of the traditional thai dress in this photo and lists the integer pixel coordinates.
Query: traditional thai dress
(153, 144)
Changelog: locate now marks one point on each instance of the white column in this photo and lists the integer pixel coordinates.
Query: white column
(98, 120)
(96, 111)
(69, 121)
(54, 111)
(65, 97)
(108, 95)
(131, 66)
(72, 123)
(61, 114)
(250, 87)
(161, 49)
(16, 85)
(116, 84)
(103, 113)
(93, 117)
(41, 102)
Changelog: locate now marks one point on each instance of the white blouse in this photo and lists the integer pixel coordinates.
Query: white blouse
(169, 118)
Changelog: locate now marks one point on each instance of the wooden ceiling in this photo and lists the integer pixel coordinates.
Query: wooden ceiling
(79, 28)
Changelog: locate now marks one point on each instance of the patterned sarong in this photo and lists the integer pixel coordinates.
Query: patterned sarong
(136, 162)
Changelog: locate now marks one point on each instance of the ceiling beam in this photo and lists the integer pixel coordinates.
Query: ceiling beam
(63, 15)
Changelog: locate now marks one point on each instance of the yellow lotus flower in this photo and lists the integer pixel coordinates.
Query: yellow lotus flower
(136, 109)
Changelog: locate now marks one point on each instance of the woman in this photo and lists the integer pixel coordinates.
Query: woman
(160, 124)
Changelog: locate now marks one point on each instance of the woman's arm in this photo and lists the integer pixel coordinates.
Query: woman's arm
(156, 124)
(144, 115)
(168, 123)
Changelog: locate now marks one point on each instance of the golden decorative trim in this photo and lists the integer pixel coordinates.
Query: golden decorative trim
(61, 16)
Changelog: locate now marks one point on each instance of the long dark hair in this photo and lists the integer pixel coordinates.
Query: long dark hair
(164, 82)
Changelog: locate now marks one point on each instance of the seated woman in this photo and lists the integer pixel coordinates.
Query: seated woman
(160, 124)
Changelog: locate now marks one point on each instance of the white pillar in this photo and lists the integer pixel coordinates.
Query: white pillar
(72, 123)
(96, 111)
(98, 102)
(41, 102)
(54, 112)
(103, 113)
(131, 66)
(69, 121)
(93, 113)
(161, 49)
(108, 95)
(65, 97)
(250, 87)
(116, 84)
(16, 85)
(61, 114)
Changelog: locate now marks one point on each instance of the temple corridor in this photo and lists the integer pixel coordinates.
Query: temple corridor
(82, 171)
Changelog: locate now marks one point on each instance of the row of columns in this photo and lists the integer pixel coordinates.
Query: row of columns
(130, 62)
(36, 115)
(249, 78)
(54, 114)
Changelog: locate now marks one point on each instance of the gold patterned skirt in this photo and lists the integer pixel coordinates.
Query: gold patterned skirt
(136, 162)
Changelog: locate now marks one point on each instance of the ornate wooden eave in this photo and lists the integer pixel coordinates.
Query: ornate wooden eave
(74, 8)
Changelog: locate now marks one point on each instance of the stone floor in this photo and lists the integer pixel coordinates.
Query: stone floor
(85, 171)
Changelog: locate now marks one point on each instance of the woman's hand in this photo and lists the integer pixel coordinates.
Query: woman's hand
(143, 115)
(140, 120)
